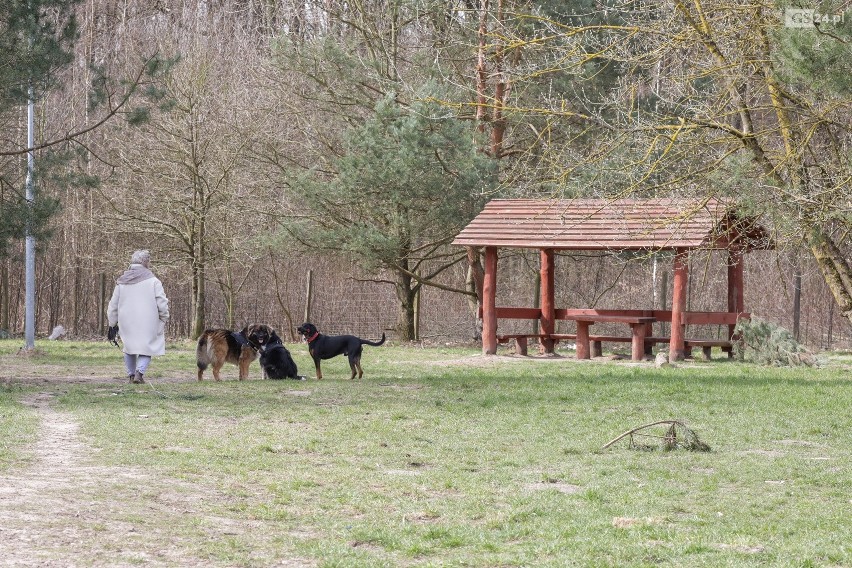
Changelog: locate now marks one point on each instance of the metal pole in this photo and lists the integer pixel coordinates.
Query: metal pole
(29, 320)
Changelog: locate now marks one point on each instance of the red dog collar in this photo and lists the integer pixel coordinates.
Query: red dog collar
(313, 337)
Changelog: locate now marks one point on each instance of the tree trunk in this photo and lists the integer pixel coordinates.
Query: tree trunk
(200, 297)
(78, 301)
(4, 296)
(199, 288)
(797, 302)
(229, 295)
(481, 71)
(102, 305)
(835, 269)
(229, 308)
(498, 129)
(405, 317)
(475, 282)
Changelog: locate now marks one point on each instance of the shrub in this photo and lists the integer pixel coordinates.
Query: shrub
(765, 343)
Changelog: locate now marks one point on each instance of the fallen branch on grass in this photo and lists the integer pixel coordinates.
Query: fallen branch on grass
(677, 435)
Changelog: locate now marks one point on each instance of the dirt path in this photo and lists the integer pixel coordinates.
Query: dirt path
(65, 511)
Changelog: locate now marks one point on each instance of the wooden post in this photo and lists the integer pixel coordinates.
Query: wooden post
(102, 301)
(736, 303)
(309, 292)
(536, 300)
(637, 344)
(583, 340)
(797, 302)
(648, 348)
(677, 349)
(664, 294)
(548, 307)
(735, 285)
(489, 303)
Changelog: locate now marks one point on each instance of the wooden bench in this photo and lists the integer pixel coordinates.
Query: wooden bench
(520, 340)
(639, 321)
(562, 336)
(706, 345)
(689, 318)
(596, 343)
(638, 331)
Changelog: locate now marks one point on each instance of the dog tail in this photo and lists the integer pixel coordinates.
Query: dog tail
(202, 353)
(374, 343)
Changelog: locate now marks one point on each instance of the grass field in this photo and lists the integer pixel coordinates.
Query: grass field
(442, 457)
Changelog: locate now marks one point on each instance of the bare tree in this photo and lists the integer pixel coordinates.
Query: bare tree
(706, 104)
(186, 177)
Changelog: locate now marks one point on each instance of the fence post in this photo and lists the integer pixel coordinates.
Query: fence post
(102, 303)
(309, 295)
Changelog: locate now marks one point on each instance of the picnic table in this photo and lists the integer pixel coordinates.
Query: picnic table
(639, 321)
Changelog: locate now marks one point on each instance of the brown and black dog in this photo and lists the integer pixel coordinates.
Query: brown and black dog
(275, 360)
(327, 346)
(219, 346)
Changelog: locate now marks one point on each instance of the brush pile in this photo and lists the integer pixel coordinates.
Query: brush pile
(667, 435)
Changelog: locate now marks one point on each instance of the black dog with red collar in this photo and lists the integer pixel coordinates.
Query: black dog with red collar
(327, 346)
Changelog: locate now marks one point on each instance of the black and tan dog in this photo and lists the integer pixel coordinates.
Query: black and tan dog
(327, 346)
(275, 360)
(219, 346)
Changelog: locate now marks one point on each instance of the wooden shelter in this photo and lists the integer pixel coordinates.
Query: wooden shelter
(613, 226)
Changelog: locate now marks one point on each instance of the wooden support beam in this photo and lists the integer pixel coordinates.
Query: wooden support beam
(638, 333)
(583, 340)
(735, 285)
(489, 303)
(649, 332)
(677, 349)
(548, 299)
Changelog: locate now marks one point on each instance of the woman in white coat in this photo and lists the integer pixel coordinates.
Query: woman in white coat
(140, 308)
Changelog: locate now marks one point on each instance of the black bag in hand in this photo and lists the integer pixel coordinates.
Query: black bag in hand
(112, 335)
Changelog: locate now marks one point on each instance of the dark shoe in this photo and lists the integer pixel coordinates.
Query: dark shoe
(137, 378)
(131, 377)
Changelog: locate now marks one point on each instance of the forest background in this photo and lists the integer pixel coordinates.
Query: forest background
(252, 145)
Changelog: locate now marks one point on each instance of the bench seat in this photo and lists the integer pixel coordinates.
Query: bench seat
(596, 342)
(521, 340)
(706, 345)
(563, 336)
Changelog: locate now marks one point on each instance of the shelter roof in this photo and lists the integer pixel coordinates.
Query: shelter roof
(604, 224)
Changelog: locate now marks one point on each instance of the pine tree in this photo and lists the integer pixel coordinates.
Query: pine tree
(409, 180)
(36, 39)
